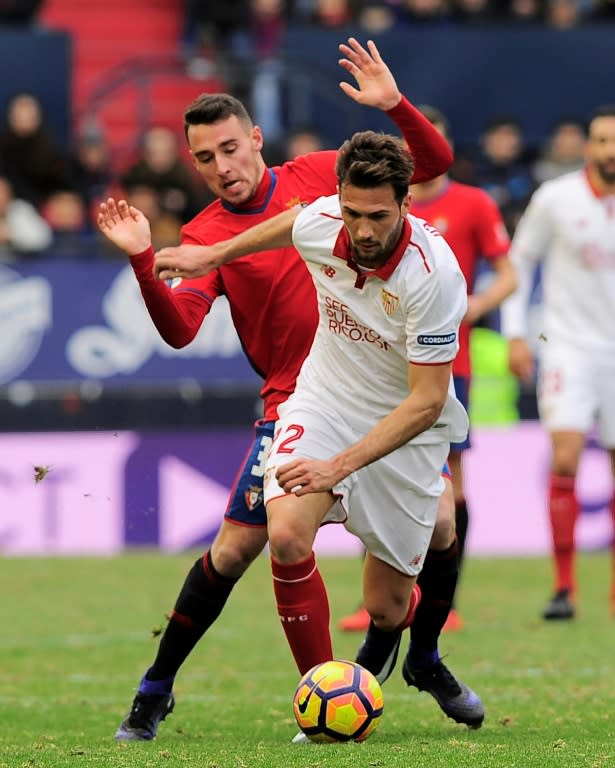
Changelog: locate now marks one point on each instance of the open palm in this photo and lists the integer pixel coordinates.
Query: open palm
(124, 225)
(377, 86)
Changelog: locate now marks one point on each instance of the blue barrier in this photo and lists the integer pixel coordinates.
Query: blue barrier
(64, 320)
(536, 74)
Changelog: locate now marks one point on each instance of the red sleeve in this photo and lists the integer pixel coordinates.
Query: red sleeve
(177, 314)
(431, 151)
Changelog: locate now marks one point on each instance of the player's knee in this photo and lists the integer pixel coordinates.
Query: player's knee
(444, 530)
(443, 534)
(231, 563)
(565, 465)
(232, 555)
(387, 612)
(287, 544)
(388, 622)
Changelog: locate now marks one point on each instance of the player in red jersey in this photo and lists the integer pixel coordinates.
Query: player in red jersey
(437, 580)
(226, 147)
(473, 227)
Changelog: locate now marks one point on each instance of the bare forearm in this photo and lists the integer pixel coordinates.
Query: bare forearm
(409, 419)
(273, 233)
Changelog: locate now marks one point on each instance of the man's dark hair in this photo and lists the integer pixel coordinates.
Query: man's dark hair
(209, 108)
(372, 159)
(606, 110)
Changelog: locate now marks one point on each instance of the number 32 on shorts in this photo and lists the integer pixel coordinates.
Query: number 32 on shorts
(291, 433)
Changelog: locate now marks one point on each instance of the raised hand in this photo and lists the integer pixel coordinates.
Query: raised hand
(124, 225)
(377, 86)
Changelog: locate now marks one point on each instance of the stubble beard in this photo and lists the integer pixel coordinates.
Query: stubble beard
(604, 172)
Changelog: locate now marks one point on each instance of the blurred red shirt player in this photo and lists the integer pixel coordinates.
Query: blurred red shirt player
(472, 224)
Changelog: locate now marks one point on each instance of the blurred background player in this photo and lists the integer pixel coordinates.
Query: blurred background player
(226, 147)
(472, 225)
(569, 227)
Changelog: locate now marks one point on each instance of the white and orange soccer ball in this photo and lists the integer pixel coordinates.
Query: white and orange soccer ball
(338, 701)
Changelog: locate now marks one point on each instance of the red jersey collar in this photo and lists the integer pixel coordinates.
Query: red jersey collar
(343, 250)
(258, 203)
(263, 189)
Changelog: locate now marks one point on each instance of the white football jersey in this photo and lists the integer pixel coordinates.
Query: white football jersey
(372, 324)
(571, 230)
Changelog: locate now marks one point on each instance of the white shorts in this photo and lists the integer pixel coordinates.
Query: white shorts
(390, 505)
(576, 391)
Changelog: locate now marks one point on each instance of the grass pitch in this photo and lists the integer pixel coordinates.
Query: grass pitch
(76, 635)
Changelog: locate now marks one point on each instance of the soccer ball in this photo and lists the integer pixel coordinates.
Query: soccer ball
(338, 701)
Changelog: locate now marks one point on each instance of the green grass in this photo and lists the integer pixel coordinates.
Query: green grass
(76, 636)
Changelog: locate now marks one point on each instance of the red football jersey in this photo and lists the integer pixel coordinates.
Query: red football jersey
(271, 295)
(472, 224)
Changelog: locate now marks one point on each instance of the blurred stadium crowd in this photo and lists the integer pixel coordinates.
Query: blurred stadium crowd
(48, 194)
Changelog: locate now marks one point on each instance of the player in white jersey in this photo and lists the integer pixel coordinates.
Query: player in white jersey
(372, 322)
(569, 226)
(374, 409)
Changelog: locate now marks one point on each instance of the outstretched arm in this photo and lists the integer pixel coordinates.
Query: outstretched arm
(177, 319)
(377, 88)
(191, 261)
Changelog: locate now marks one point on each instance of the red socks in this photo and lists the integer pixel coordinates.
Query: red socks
(563, 514)
(303, 607)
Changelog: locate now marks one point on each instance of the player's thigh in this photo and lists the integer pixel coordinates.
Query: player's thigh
(393, 503)
(566, 392)
(236, 547)
(303, 432)
(386, 591)
(243, 532)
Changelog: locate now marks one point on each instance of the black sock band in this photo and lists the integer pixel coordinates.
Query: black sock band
(198, 605)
